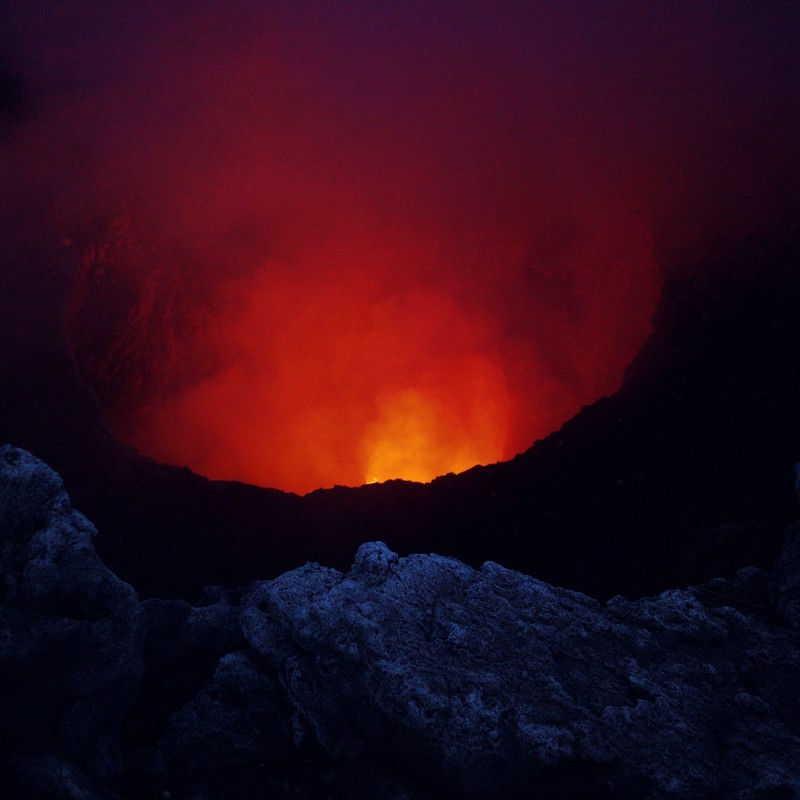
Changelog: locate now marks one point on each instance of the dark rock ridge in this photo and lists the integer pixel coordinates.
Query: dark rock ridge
(416, 678)
(71, 639)
(680, 476)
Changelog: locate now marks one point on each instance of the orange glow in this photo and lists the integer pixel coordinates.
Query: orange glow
(370, 244)
(334, 380)
(418, 436)
(344, 267)
(361, 358)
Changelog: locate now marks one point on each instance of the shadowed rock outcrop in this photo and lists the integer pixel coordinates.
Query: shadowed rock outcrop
(420, 677)
(486, 683)
(785, 587)
(70, 642)
(415, 678)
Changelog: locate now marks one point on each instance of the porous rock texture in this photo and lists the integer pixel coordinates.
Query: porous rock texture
(420, 677)
(70, 642)
(489, 682)
(414, 678)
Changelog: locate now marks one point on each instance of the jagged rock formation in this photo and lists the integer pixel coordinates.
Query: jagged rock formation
(70, 642)
(416, 677)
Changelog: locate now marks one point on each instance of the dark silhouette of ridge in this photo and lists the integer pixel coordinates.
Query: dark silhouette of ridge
(681, 475)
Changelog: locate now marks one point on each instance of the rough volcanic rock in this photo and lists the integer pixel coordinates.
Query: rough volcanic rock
(488, 683)
(786, 584)
(418, 678)
(183, 646)
(70, 642)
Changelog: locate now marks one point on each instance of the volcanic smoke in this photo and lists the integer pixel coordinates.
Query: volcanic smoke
(311, 247)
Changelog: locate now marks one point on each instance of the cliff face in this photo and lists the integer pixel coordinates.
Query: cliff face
(416, 677)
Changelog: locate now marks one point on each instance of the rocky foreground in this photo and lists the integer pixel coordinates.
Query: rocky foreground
(412, 678)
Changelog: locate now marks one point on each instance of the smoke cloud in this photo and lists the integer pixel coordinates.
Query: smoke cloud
(300, 244)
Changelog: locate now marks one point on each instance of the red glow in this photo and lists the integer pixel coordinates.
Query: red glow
(361, 247)
(367, 359)
(335, 379)
(374, 240)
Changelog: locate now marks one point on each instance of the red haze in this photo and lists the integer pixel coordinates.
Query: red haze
(332, 245)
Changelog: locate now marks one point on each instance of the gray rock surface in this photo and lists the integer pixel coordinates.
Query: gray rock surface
(414, 678)
(489, 682)
(70, 642)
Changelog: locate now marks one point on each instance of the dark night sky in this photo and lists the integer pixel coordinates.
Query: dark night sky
(378, 239)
